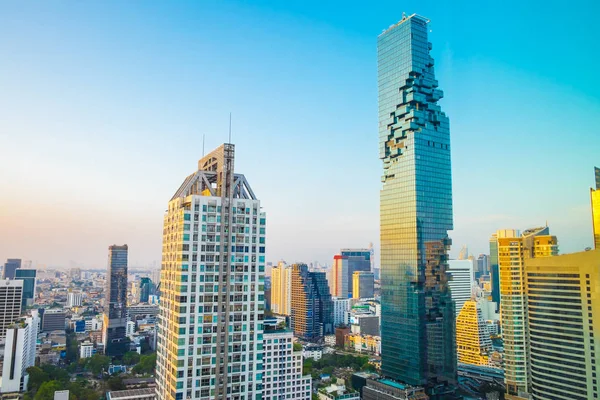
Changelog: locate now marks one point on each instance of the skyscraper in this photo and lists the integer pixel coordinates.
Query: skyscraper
(473, 343)
(461, 285)
(146, 289)
(494, 271)
(210, 329)
(563, 314)
(339, 281)
(28, 276)
(595, 199)
(281, 288)
(11, 298)
(312, 307)
(363, 285)
(115, 304)
(415, 211)
(513, 250)
(358, 260)
(19, 354)
(11, 265)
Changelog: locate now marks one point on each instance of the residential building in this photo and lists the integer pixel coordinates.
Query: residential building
(337, 391)
(146, 289)
(281, 288)
(10, 267)
(212, 274)
(312, 307)
(563, 320)
(341, 306)
(283, 377)
(28, 276)
(473, 342)
(340, 283)
(513, 250)
(53, 320)
(595, 200)
(385, 389)
(86, 350)
(461, 284)
(132, 394)
(74, 299)
(418, 316)
(114, 338)
(363, 285)
(130, 330)
(11, 295)
(19, 354)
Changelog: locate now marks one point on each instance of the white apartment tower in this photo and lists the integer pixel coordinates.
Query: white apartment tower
(283, 377)
(21, 337)
(74, 299)
(11, 295)
(210, 323)
(461, 284)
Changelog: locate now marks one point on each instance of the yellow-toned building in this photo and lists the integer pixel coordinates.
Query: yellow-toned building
(363, 343)
(473, 343)
(563, 313)
(595, 199)
(513, 250)
(281, 289)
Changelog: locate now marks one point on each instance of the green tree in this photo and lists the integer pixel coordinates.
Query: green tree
(131, 358)
(37, 376)
(146, 364)
(97, 363)
(116, 383)
(47, 389)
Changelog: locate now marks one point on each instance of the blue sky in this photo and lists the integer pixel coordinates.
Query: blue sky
(103, 106)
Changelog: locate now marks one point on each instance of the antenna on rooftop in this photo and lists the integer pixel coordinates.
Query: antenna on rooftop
(230, 127)
(203, 136)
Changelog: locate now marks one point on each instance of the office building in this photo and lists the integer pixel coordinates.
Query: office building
(340, 311)
(482, 266)
(563, 313)
(210, 324)
(364, 323)
(363, 285)
(283, 377)
(28, 276)
(19, 353)
(146, 289)
(595, 200)
(473, 342)
(11, 298)
(415, 211)
(312, 307)
(53, 320)
(513, 250)
(461, 284)
(494, 270)
(114, 338)
(358, 260)
(11, 265)
(74, 299)
(281, 288)
(339, 279)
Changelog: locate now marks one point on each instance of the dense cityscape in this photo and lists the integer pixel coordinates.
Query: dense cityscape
(399, 321)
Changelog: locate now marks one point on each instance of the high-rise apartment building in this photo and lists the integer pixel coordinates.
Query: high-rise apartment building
(312, 307)
(11, 265)
(283, 377)
(473, 342)
(363, 285)
(341, 307)
(595, 199)
(513, 250)
(11, 298)
(281, 288)
(19, 353)
(563, 320)
(339, 280)
(415, 211)
(28, 276)
(74, 299)
(114, 338)
(210, 329)
(461, 284)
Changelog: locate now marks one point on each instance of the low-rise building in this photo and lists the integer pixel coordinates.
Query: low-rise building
(312, 351)
(86, 350)
(337, 391)
(386, 389)
(363, 343)
(132, 394)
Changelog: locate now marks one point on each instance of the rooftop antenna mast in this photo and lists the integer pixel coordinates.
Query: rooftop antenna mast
(203, 136)
(230, 127)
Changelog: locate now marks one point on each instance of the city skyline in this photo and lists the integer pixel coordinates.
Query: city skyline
(71, 138)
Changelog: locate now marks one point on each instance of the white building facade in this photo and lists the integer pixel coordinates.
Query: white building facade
(74, 299)
(341, 307)
(11, 295)
(461, 284)
(21, 338)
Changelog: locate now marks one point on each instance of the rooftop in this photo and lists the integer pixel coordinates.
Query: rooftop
(393, 384)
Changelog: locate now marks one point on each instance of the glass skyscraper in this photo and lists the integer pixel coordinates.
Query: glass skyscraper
(28, 277)
(115, 314)
(418, 317)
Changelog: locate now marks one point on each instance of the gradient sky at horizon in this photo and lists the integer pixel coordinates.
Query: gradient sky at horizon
(103, 106)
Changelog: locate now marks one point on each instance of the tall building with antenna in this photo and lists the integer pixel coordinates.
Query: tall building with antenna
(418, 317)
(212, 286)
(595, 199)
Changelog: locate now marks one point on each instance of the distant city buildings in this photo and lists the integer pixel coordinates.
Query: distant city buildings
(461, 285)
(11, 297)
(10, 267)
(146, 289)
(312, 307)
(281, 288)
(74, 299)
(418, 316)
(513, 250)
(28, 276)
(363, 285)
(19, 354)
(115, 309)
(344, 266)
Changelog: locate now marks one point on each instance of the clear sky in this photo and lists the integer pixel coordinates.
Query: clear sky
(103, 106)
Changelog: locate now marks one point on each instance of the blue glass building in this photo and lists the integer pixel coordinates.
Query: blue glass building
(28, 277)
(115, 314)
(418, 318)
